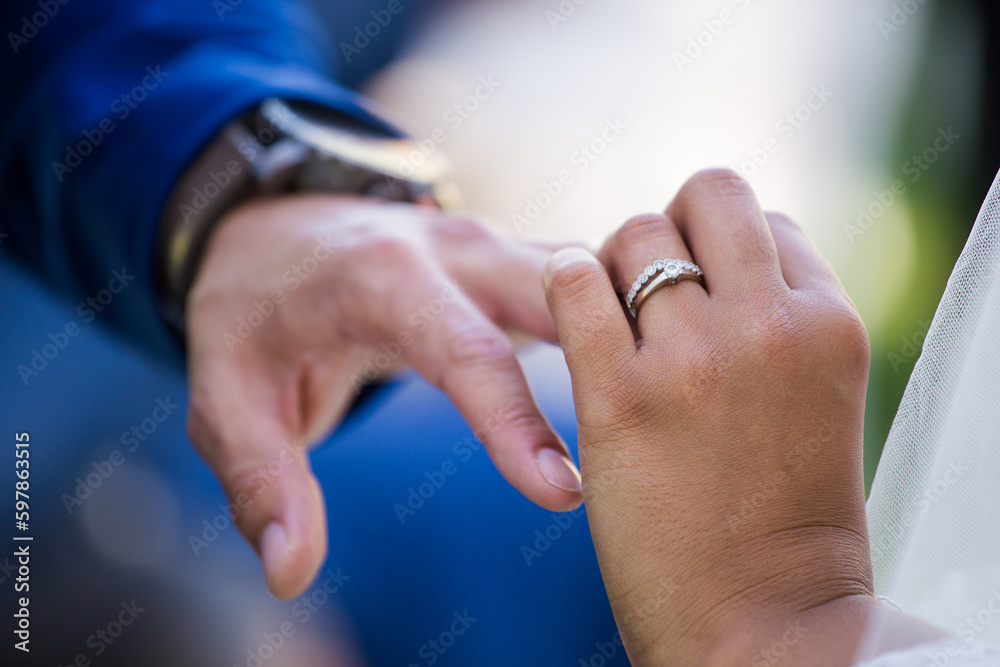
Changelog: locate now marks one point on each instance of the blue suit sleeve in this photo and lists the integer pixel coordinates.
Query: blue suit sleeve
(106, 103)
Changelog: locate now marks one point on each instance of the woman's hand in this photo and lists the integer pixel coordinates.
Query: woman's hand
(721, 436)
(301, 301)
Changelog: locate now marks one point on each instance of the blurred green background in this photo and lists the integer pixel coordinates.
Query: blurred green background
(954, 86)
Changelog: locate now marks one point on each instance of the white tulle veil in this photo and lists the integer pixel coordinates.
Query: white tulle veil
(934, 509)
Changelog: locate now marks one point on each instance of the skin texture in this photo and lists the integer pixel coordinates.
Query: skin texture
(721, 438)
(324, 285)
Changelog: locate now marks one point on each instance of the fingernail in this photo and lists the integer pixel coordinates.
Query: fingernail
(563, 258)
(559, 471)
(273, 545)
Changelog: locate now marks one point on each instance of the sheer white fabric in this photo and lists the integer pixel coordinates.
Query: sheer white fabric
(948, 652)
(934, 509)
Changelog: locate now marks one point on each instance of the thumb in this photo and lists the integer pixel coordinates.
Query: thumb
(275, 501)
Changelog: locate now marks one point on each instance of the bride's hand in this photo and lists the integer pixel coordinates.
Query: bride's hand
(721, 437)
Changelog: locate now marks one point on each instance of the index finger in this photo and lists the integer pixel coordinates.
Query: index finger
(461, 351)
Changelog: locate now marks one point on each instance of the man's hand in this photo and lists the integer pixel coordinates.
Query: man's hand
(296, 301)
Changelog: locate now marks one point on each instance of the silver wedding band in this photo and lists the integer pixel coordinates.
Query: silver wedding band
(659, 273)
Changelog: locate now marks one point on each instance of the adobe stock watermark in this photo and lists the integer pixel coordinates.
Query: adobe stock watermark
(31, 24)
(420, 320)
(363, 35)
(223, 7)
(786, 127)
(435, 648)
(120, 108)
(969, 629)
(955, 649)
(755, 330)
(563, 12)
(580, 161)
(454, 117)
(604, 478)
(229, 512)
(910, 347)
(795, 460)
(933, 493)
(293, 278)
(104, 637)
(559, 525)
(130, 440)
(303, 610)
(434, 480)
(774, 653)
(975, 624)
(87, 310)
(605, 652)
(913, 170)
(899, 16)
(216, 182)
(713, 29)
(659, 595)
(203, 194)
(7, 569)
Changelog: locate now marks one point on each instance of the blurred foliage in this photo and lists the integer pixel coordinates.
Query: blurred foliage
(949, 91)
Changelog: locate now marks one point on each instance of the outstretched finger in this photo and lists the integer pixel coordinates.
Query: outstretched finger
(458, 348)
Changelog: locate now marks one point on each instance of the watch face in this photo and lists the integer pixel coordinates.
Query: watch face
(354, 143)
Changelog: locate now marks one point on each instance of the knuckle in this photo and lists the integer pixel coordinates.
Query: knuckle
(718, 181)
(212, 425)
(641, 228)
(239, 479)
(203, 420)
(461, 230)
(847, 335)
(218, 451)
(578, 282)
(196, 426)
(477, 345)
(826, 330)
(523, 418)
(387, 249)
(782, 221)
(213, 445)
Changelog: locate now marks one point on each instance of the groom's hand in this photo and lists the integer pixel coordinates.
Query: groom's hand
(299, 298)
(721, 438)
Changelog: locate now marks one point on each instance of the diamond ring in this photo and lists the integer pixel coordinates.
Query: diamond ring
(659, 273)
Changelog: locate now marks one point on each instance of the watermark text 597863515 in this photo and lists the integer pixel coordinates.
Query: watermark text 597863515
(22, 518)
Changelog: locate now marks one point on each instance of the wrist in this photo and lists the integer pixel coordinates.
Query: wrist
(838, 633)
(282, 146)
(830, 634)
(741, 599)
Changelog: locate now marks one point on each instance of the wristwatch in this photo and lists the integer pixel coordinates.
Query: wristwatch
(286, 146)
